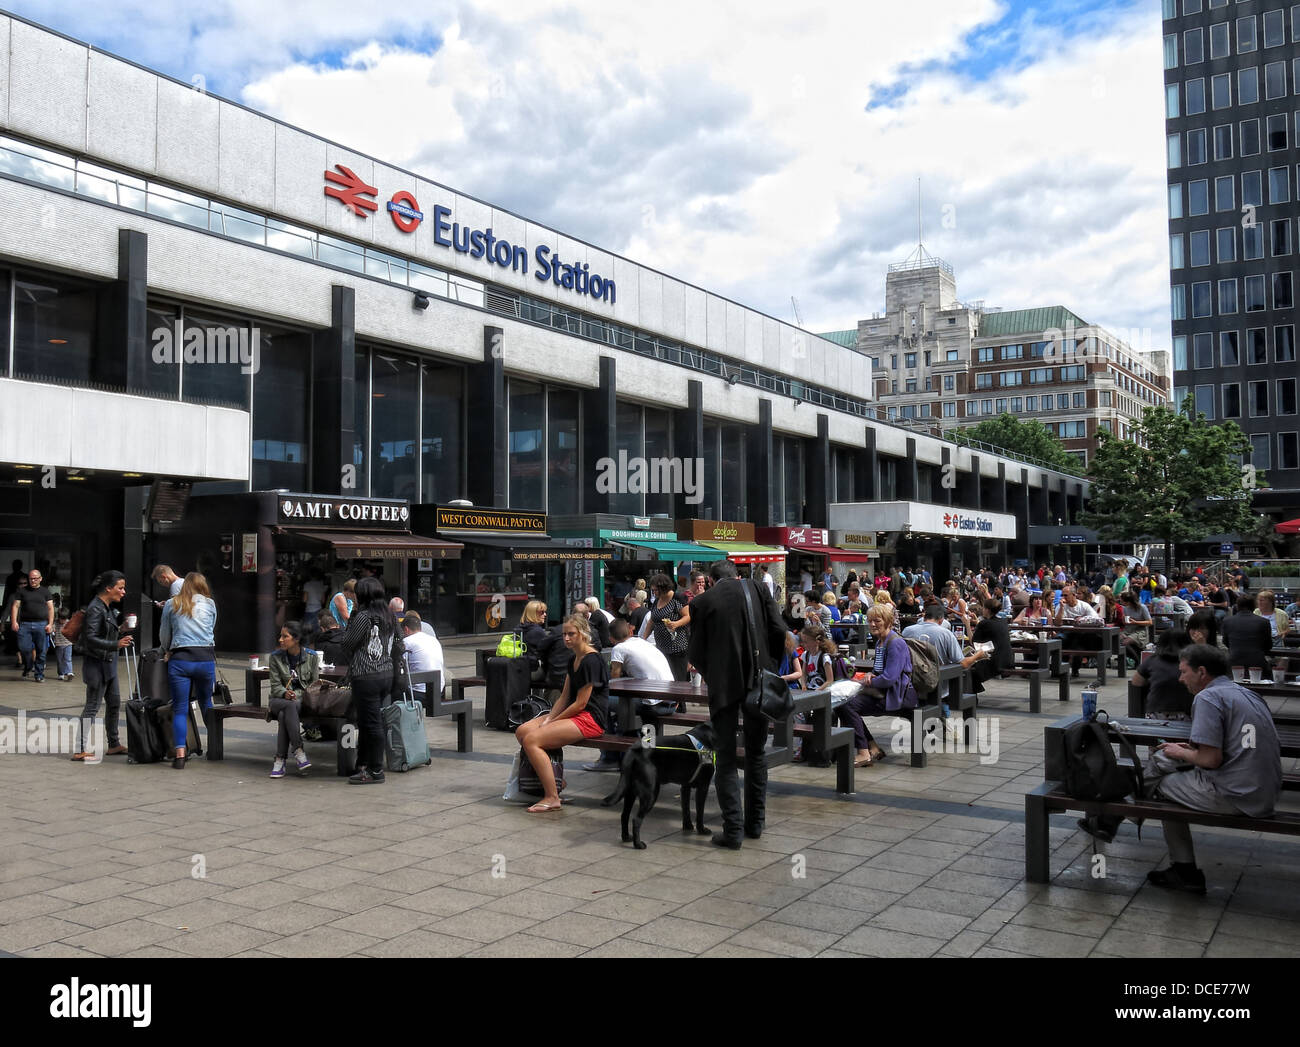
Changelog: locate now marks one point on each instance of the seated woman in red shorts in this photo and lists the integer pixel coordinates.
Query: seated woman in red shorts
(580, 712)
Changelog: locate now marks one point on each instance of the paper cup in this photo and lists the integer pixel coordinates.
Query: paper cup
(1256, 675)
(130, 621)
(253, 662)
(1239, 673)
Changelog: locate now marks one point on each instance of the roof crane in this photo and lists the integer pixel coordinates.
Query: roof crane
(794, 305)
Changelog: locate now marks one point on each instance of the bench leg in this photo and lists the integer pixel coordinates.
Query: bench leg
(1120, 669)
(844, 757)
(1037, 863)
(464, 732)
(216, 736)
(918, 738)
(1063, 685)
(1035, 693)
(345, 756)
(1102, 659)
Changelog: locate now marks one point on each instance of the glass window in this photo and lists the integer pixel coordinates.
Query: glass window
(1201, 303)
(1169, 9)
(1223, 142)
(1193, 47)
(1260, 445)
(953, 355)
(1176, 260)
(1079, 399)
(658, 444)
(1277, 132)
(1254, 286)
(1221, 91)
(1280, 235)
(1279, 185)
(163, 375)
(1283, 296)
(1274, 28)
(1191, 7)
(1200, 245)
(1257, 345)
(1252, 242)
(1176, 200)
(395, 427)
(281, 391)
(984, 355)
(1246, 40)
(1195, 97)
(1226, 243)
(1062, 401)
(1232, 400)
(1224, 187)
(1249, 137)
(1248, 86)
(1286, 396)
(1198, 197)
(1196, 147)
(1295, 23)
(441, 442)
(340, 253)
(1171, 51)
(1275, 80)
(1171, 102)
(1219, 42)
(1252, 188)
(1227, 297)
(1173, 145)
(1284, 344)
(733, 473)
(909, 359)
(949, 409)
(1288, 451)
(1178, 302)
(1205, 400)
(1229, 356)
(1180, 352)
(55, 327)
(1203, 350)
(527, 446)
(949, 383)
(220, 377)
(1258, 394)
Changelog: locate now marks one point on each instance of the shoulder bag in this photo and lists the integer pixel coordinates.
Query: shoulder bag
(768, 694)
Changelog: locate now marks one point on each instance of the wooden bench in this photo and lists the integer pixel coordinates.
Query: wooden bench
(461, 710)
(1036, 676)
(1049, 798)
(345, 745)
(460, 683)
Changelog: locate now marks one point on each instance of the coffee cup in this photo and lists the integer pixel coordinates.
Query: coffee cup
(1256, 675)
(1239, 673)
(1045, 619)
(131, 620)
(253, 661)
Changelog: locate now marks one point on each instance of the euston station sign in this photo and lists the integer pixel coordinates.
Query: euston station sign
(346, 186)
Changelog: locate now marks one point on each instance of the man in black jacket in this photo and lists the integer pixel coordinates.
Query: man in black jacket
(722, 648)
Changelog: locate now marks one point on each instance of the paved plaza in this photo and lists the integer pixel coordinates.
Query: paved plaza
(220, 860)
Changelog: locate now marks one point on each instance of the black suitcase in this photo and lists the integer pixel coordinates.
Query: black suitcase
(147, 681)
(508, 680)
(145, 742)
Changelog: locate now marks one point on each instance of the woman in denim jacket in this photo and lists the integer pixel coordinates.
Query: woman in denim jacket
(189, 623)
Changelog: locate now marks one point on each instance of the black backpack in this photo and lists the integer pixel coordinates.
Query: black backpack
(526, 709)
(1091, 769)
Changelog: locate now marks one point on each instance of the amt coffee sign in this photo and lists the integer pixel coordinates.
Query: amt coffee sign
(319, 511)
(346, 186)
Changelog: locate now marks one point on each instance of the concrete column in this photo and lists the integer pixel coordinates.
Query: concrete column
(486, 424)
(334, 425)
(688, 440)
(817, 473)
(761, 492)
(599, 439)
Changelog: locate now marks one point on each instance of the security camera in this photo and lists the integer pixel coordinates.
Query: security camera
(421, 301)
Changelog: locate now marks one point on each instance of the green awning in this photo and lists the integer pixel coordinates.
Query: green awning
(673, 550)
(748, 552)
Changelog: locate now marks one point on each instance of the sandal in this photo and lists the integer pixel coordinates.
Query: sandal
(542, 808)
(863, 761)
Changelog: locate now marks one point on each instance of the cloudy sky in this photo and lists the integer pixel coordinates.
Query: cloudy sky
(761, 150)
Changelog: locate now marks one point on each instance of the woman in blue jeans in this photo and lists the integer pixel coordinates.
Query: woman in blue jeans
(189, 621)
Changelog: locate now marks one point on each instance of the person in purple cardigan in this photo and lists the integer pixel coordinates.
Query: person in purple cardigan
(886, 689)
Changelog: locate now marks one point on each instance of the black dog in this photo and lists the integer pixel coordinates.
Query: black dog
(674, 759)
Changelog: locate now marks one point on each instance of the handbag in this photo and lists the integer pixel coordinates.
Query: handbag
(326, 700)
(512, 646)
(72, 627)
(221, 691)
(768, 694)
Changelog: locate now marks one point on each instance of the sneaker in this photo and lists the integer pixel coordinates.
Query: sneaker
(277, 768)
(1098, 828)
(1190, 880)
(300, 758)
(365, 777)
(601, 766)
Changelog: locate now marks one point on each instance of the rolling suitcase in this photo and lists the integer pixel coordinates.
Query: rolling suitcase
(152, 686)
(508, 680)
(405, 743)
(144, 738)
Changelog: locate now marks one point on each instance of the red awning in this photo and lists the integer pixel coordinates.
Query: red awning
(1290, 527)
(831, 553)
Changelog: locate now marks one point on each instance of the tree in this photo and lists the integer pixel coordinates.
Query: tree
(1179, 479)
(1028, 439)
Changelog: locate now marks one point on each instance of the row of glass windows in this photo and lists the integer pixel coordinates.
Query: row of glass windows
(1225, 244)
(1233, 352)
(1035, 376)
(1218, 36)
(1192, 93)
(1257, 394)
(1252, 299)
(1252, 195)
(1029, 404)
(1275, 127)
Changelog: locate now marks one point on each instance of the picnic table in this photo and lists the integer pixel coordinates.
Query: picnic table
(1112, 643)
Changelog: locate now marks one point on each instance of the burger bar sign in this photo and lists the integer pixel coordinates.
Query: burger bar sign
(345, 185)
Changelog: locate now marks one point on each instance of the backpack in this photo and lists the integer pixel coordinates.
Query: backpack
(925, 665)
(1091, 769)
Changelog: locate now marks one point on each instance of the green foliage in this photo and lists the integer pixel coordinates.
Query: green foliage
(1179, 479)
(1029, 439)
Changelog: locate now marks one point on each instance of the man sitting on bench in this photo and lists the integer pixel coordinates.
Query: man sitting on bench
(1234, 758)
